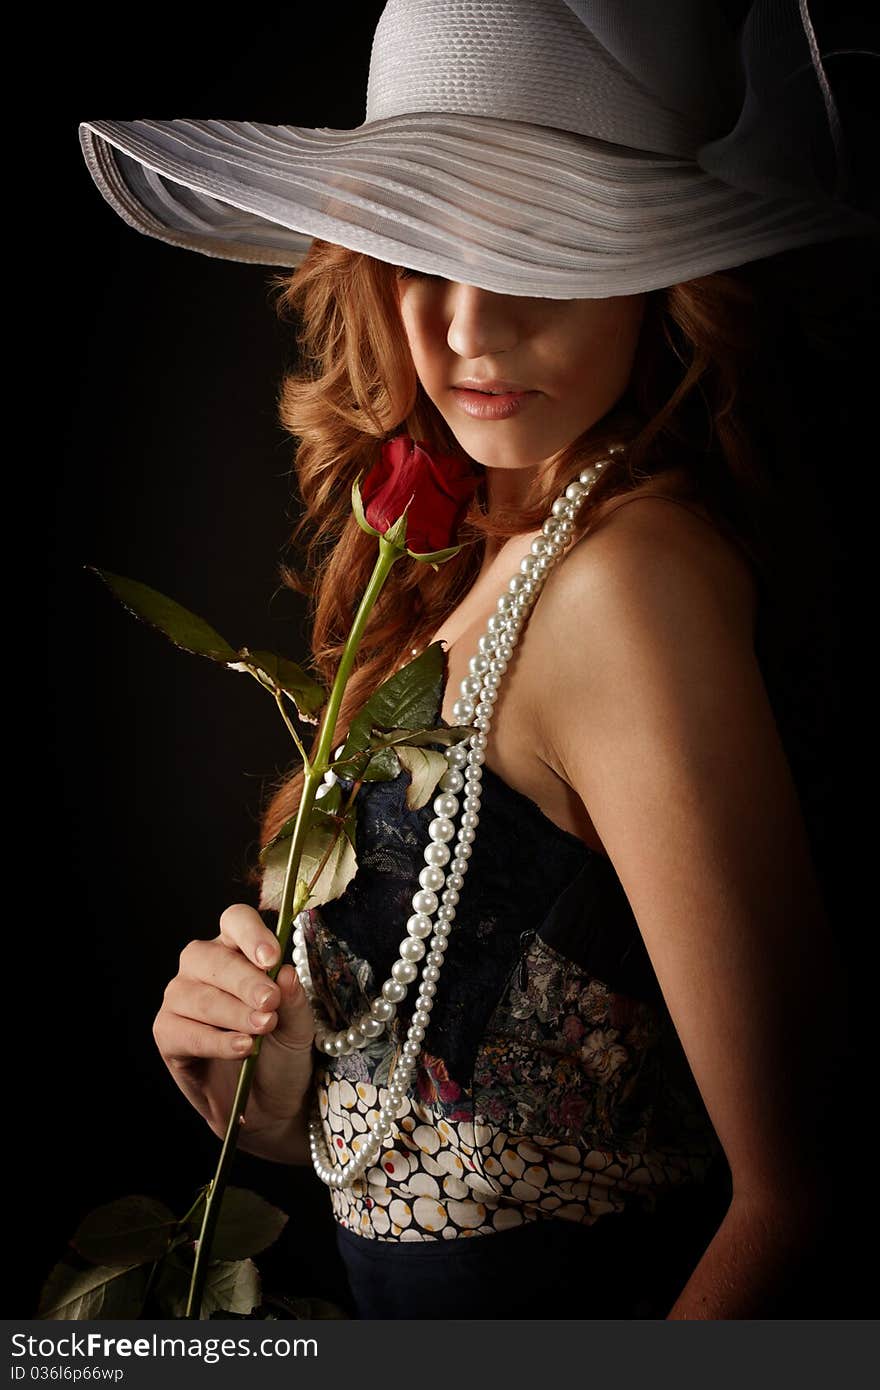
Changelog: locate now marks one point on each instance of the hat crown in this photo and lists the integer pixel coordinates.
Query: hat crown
(515, 60)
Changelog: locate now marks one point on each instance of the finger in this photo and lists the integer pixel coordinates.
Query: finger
(242, 926)
(296, 1024)
(181, 1039)
(223, 966)
(205, 1003)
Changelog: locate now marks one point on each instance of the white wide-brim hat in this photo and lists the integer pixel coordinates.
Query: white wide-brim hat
(552, 148)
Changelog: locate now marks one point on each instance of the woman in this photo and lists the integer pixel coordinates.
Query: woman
(616, 1110)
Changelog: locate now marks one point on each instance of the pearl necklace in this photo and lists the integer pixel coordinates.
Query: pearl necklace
(479, 691)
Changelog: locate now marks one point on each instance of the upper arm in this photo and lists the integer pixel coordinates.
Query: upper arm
(658, 717)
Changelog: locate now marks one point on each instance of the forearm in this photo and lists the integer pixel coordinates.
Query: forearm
(753, 1265)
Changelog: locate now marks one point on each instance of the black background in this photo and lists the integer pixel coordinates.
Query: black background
(170, 467)
(158, 455)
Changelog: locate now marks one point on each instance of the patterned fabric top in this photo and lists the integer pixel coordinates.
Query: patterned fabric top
(551, 1082)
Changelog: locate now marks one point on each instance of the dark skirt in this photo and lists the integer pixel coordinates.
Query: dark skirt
(626, 1265)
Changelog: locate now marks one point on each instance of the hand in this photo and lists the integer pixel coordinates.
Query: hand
(211, 1011)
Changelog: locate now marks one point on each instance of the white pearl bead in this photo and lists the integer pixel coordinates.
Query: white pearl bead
(411, 948)
(418, 925)
(486, 643)
(426, 899)
(436, 853)
(456, 754)
(431, 974)
(416, 1033)
(466, 835)
(471, 819)
(562, 508)
(574, 492)
(462, 711)
(475, 757)
(527, 564)
(495, 623)
(452, 781)
(371, 1027)
(445, 917)
(470, 686)
(478, 664)
(422, 1018)
(539, 545)
(441, 829)
(432, 877)
(463, 852)
(383, 1009)
(404, 972)
(446, 804)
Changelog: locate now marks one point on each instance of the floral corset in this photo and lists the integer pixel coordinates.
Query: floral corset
(551, 1081)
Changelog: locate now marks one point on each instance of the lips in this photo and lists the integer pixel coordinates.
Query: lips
(491, 386)
(484, 406)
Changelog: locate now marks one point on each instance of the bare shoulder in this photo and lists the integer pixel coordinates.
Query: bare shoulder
(648, 597)
(655, 549)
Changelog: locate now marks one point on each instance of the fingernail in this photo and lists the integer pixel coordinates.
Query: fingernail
(241, 1044)
(265, 955)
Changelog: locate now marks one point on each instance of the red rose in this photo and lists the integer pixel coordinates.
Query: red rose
(437, 487)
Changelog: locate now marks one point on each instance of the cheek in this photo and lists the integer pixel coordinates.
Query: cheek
(421, 343)
(609, 347)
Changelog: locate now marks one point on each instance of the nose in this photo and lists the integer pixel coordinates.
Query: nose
(481, 322)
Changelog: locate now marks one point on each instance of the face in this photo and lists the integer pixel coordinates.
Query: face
(572, 356)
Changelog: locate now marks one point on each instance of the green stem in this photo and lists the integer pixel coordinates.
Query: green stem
(176, 1238)
(294, 896)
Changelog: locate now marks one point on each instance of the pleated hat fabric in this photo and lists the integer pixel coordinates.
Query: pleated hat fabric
(550, 148)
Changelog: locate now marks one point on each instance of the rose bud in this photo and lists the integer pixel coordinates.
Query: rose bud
(415, 499)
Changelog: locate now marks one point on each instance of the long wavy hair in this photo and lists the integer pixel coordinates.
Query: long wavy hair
(710, 394)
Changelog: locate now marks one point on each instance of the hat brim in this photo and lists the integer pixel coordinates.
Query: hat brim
(504, 205)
